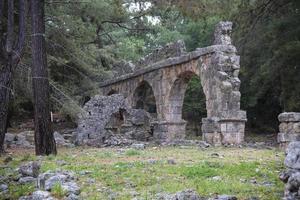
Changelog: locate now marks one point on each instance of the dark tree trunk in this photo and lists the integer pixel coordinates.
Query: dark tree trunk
(44, 139)
(5, 81)
(10, 55)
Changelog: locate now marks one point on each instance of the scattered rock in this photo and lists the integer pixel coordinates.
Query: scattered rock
(224, 197)
(71, 188)
(18, 140)
(27, 179)
(72, 197)
(56, 179)
(292, 175)
(183, 195)
(38, 195)
(59, 139)
(171, 162)
(3, 187)
(30, 169)
(215, 155)
(216, 178)
(138, 146)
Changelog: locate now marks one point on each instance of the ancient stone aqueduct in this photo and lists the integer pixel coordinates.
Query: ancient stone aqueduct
(218, 68)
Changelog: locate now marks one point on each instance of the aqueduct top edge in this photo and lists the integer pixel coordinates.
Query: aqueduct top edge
(172, 61)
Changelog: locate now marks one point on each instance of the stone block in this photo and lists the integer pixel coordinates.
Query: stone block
(289, 117)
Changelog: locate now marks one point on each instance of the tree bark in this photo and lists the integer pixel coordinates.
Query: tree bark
(5, 81)
(10, 56)
(44, 139)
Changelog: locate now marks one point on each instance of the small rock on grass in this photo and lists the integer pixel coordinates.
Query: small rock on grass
(138, 146)
(3, 187)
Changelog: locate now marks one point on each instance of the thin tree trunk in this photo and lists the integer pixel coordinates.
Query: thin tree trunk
(44, 139)
(5, 81)
(10, 57)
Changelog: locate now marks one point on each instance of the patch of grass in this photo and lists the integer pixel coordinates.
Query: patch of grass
(16, 190)
(147, 172)
(132, 152)
(58, 191)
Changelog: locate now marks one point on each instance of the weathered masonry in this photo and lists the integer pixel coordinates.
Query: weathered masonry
(289, 128)
(216, 65)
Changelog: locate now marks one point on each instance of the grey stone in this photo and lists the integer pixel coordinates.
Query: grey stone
(289, 128)
(56, 179)
(30, 169)
(3, 187)
(38, 195)
(225, 197)
(72, 197)
(183, 195)
(223, 33)
(48, 179)
(171, 162)
(292, 159)
(289, 117)
(59, 139)
(9, 138)
(27, 179)
(71, 187)
(138, 146)
(99, 110)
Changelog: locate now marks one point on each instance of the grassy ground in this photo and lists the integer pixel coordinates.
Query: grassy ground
(124, 173)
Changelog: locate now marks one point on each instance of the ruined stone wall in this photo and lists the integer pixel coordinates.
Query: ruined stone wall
(289, 128)
(107, 118)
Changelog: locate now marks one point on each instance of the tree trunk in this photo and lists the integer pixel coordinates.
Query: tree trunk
(5, 81)
(44, 139)
(10, 56)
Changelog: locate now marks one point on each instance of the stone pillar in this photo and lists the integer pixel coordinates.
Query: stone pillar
(289, 128)
(223, 131)
(225, 122)
(168, 131)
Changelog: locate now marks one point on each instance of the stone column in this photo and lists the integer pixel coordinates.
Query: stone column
(289, 128)
(225, 122)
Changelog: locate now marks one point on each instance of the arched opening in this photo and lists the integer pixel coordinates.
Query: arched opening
(143, 98)
(194, 107)
(187, 102)
(111, 92)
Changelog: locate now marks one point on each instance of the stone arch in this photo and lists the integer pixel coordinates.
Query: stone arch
(144, 98)
(176, 95)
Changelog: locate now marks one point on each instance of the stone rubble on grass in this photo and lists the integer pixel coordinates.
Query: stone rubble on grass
(38, 195)
(191, 195)
(25, 140)
(291, 176)
(45, 182)
(17, 140)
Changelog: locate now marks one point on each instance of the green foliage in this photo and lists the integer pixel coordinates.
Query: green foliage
(58, 191)
(132, 152)
(194, 105)
(131, 48)
(85, 40)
